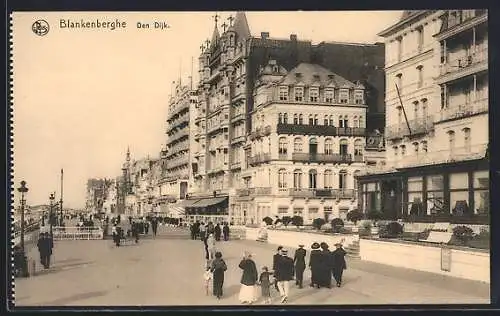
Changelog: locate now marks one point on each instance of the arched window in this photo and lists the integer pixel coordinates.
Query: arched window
(285, 118)
(301, 121)
(424, 146)
(355, 121)
(312, 179)
(451, 140)
(415, 148)
(415, 110)
(358, 147)
(282, 179)
(467, 141)
(328, 146)
(316, 119)
(297, 145)
(343, 147)
(313, 146)
(342, 179)
(326, 120)
(403, 150)
(295, 119)
(332, 122)
(328, 181)
(355, 180)
(311, 119)
(280, 118)
(297, 179)
(396, 150)
(283, 146)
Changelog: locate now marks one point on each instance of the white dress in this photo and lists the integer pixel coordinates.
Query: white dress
(248, 293)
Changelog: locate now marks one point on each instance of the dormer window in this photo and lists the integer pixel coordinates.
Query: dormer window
(329, 96)
(283, 93)
(313, 94)
(344, 96)
(299, 94)
(359, 97)
(275, 69)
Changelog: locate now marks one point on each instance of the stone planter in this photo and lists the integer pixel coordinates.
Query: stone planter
(355, 229)
(374, 230)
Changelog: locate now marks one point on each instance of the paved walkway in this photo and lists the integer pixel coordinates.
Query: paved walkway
(169, 272)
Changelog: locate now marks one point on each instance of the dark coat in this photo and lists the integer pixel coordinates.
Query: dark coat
(250, 275)
(284, 269)
(338, 256)
(218, 268)
(276, 258)
(225, 230)
(314, 258)
(300, 259)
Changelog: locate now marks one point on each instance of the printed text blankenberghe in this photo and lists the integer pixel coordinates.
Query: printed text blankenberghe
(92, 24)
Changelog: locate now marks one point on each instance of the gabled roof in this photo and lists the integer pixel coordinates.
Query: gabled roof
(313, 73)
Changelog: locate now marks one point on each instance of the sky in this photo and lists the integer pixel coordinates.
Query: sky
(81, 96)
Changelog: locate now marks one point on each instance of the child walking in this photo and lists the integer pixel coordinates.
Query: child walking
(265, 285)
(207, 276)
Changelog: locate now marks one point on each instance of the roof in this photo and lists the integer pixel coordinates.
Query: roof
(240, 26)
(311, 74)
(408, 15)
(215, 37)
(209, 202)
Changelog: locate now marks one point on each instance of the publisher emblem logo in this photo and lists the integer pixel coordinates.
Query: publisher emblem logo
(40, 27)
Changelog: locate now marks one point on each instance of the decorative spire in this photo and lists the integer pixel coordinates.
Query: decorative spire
(241, 25)
(230, 19)
(216, 18)
(128, 154)
(224, 25)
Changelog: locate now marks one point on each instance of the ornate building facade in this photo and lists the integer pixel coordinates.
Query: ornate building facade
(437, 118)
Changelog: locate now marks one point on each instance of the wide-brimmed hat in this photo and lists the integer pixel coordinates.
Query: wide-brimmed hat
(284, 251)
(338, 244)
(301, 245)
(324, 245)
(315, 245)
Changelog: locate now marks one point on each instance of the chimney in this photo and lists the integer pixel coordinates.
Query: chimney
(264, 35)
(293, 37)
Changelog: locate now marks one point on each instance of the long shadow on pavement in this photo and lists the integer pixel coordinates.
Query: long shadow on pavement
(59, 268)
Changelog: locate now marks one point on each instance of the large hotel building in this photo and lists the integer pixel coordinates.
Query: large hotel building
(437, 165)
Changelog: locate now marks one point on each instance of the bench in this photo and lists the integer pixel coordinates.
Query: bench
(438, 237)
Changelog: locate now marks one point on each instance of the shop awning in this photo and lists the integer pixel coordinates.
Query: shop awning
(209, 202)
(187, 203)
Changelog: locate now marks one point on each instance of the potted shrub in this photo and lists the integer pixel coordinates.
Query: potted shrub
(318, 222)
(366, 229)
(297, 221)
(463, 234)
(337, 224)
(391, 230)
(268, 220)
(286, 220)
(354, 216)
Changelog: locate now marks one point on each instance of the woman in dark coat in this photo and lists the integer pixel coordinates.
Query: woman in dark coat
(218, 268)
(314, 264)
(248, 280)
(325, 266)
(339, 264)
(217, 232)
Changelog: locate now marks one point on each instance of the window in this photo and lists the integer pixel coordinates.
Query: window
(311, 119)
(415, 148)
(435, 194)
(297, 145)
(332, 123)
(282, 210)
(355, 122)
(451, 140)
(328, 179)
(343, 179)
(344, 96)
(282, 179)
(295, 119)
(328, 146)
(313, 94)
(467, 139)
(301, 121)
(396, 150)
(459, 193)
(415, 109)
(283, 93)
(343, 122)
(359, 97)
(415, 196)
(312, 179)
(424, 146)
(420, 38)
(326, 120)
(403, 150)
(399, 82)
(283, 146)
(355, 179)
(316, 119)
(399, 43)
(285, 118)
(358, 147)
(400, 116)
(481, 192)
(343, 147)
(329, 96)
(297, 179)
(420, 70)
(280, 118)
(299, 94)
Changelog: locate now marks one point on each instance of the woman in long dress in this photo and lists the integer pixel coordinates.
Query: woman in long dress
(248, 293)
(218, 268)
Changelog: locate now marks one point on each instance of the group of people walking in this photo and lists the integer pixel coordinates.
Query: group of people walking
(325, 263)
(202, 230)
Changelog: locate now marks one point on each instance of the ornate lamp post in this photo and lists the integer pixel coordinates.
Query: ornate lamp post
(51, 215)
(22, 189)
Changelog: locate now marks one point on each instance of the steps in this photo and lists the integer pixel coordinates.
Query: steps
(353, 250)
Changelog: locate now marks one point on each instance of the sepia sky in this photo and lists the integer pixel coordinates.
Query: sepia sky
(81, 96)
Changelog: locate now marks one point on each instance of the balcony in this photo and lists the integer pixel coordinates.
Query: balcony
(350, 131)
(300, 192)
(417, 126)
(238, 139)
(467, 65)
(444, 156)
(358, 158)
(321, 158)
(455, 112)
(260, 132)
(465, 20)
(301, 129)
(260, 191)
(238, 117)
(243, 192)
(235, 165)
(181, 108)
(260, 158)
(323, 193)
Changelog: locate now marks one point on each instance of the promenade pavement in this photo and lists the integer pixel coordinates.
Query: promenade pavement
(169, 270)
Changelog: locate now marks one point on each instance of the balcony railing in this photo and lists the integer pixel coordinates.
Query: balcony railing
(443, 156)
(238, 117)
(320, 130)
(184, 105)
(417, 126)
(260, 191)
(259, 158)
(465, 63)
(238, 139)
(260, 132)
(235, 165)
(463, 21)
(322, 193)
(300, 192)
(454, 111)
(243, 192)
(333, 158)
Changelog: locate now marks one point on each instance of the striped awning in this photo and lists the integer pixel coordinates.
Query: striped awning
(176, 211)
(209, 202)
(187, 203)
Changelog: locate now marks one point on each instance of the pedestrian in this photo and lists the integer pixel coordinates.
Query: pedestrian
(154, 226)
(284, 274)
(130, 220)
(135, 231)
(196, 230)
(191, 230)
(211, 246)
(43, 250)
(339, 264)
(225, 231)
(49, 246)
(314, 264)
(146, 227)
(300, 265)
(325, 266)
(202, 231)
(265, 285)
(218, 268)
(217, 232)
(248, 280)
(207, 276)
(276, 258)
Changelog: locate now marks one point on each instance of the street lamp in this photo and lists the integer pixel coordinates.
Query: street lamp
(23, 189)
(51, 215)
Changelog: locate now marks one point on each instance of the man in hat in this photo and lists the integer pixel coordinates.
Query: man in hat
(314, 264)
(300, 265)
(276, 258)
(284, 274)
(339, 264)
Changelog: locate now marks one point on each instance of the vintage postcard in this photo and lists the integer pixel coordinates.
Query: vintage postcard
(250, 158)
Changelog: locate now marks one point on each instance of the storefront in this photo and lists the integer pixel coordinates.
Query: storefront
(456, 192)
(207, 210)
